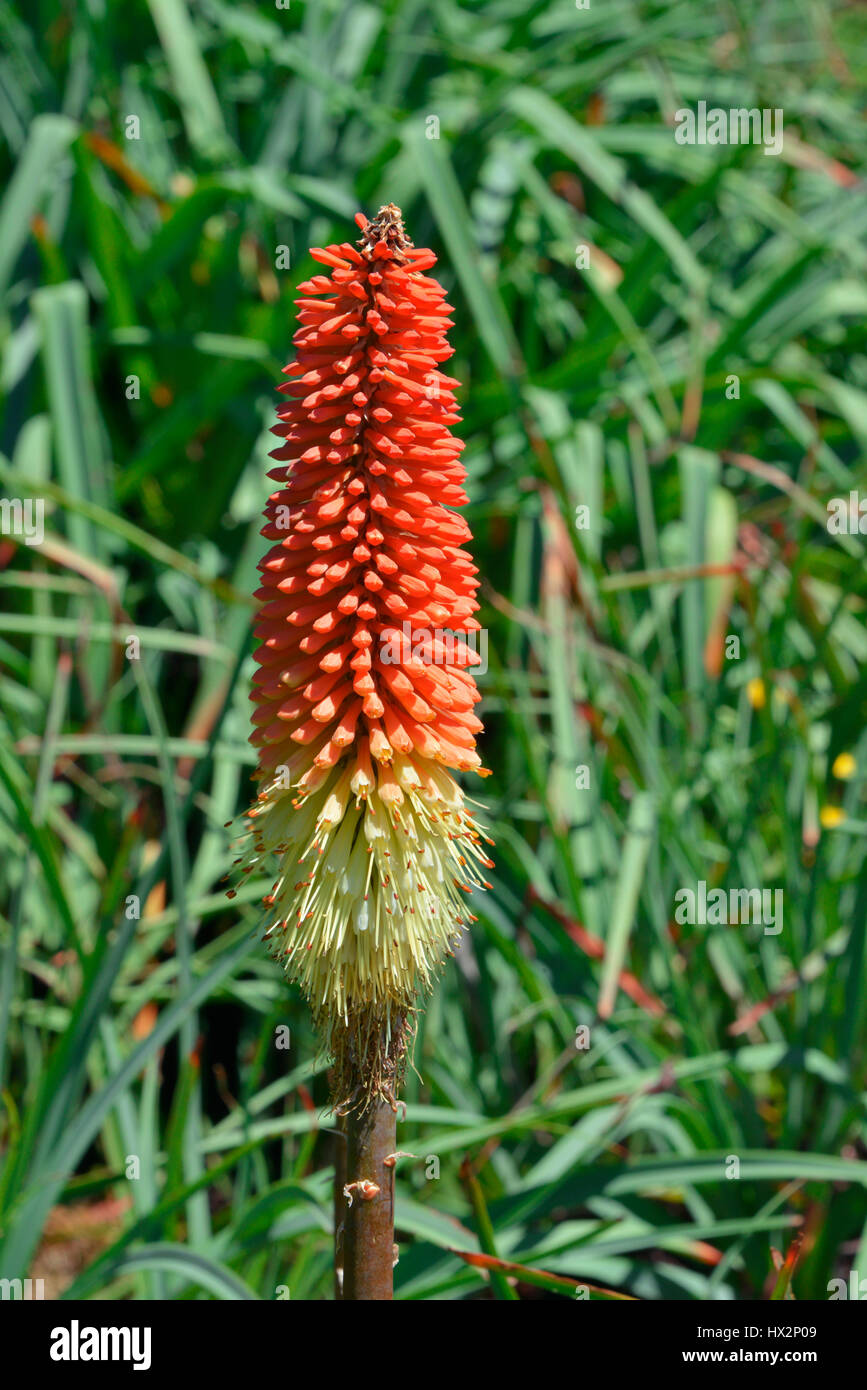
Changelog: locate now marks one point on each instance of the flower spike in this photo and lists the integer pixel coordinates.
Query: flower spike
(364, 694)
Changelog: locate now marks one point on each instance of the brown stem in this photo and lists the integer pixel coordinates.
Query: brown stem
(339, 1204)
(368, 1204)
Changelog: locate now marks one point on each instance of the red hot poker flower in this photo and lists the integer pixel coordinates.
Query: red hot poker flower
(364, 700)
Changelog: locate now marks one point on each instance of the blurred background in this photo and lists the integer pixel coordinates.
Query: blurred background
(664, 365)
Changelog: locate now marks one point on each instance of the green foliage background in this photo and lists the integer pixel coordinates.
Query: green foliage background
(150, 251)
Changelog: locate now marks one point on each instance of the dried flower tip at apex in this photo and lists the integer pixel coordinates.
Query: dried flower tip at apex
(386, 230)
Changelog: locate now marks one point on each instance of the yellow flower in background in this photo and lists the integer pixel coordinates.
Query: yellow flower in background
(832, 816)
(756, 693)
(844, 766)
